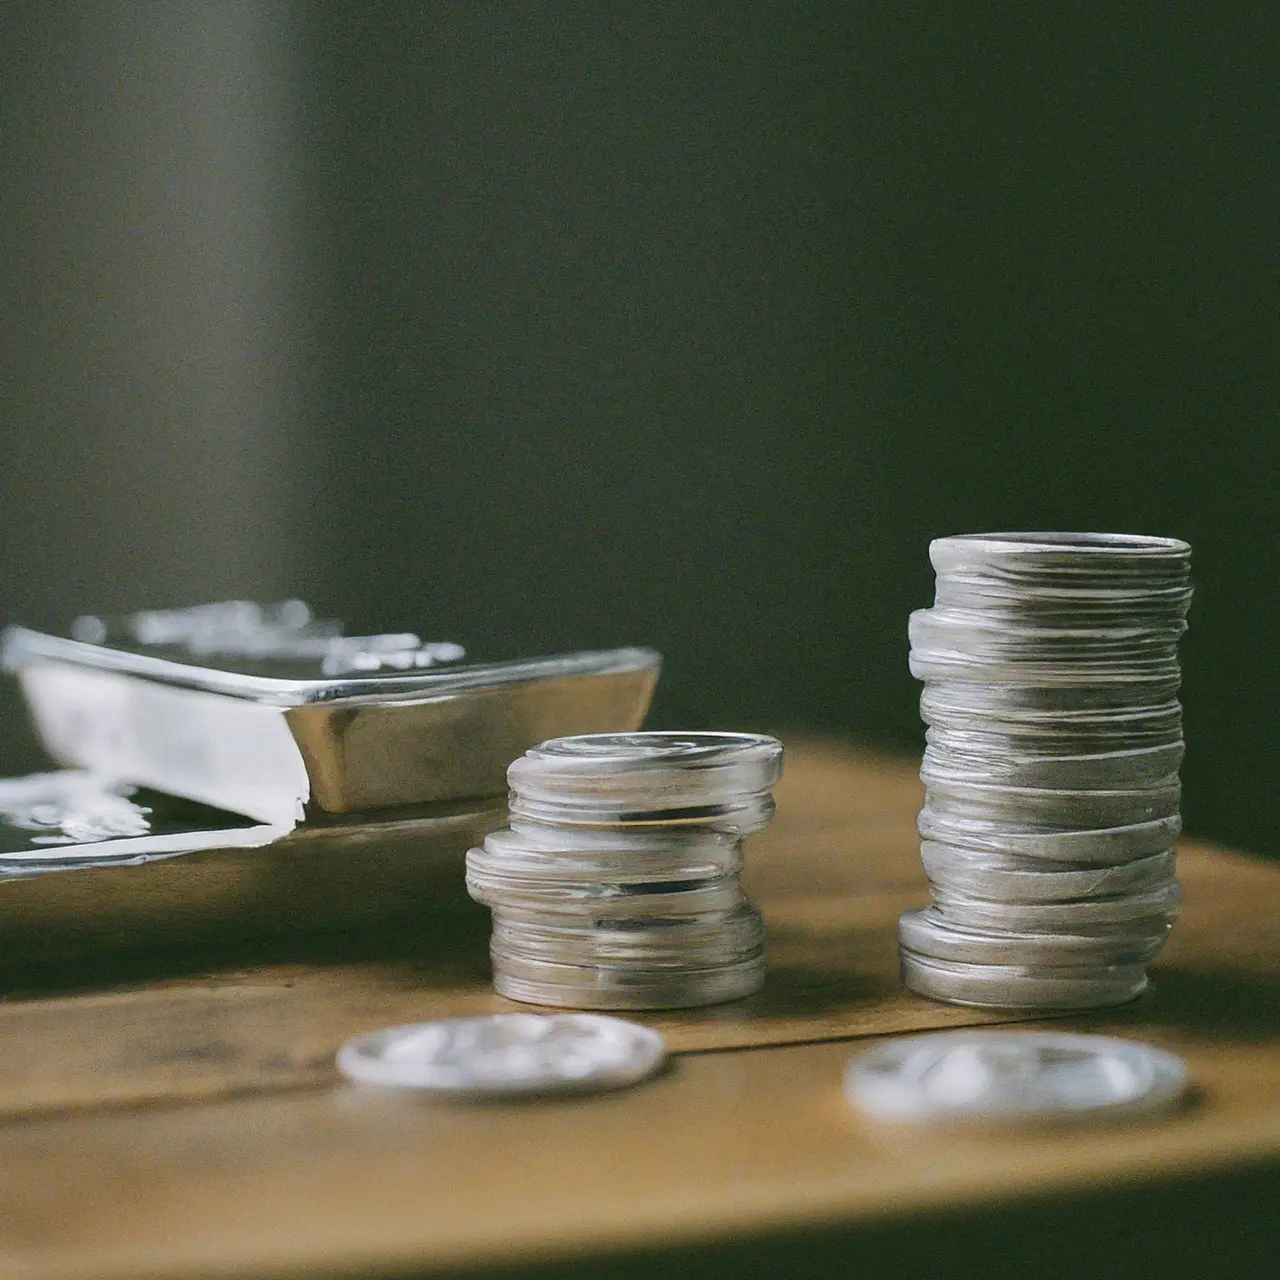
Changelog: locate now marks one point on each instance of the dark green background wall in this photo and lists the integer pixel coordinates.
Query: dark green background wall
(680, 324)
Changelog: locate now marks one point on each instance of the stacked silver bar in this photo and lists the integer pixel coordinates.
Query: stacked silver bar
(1051, 770)
(616, 886)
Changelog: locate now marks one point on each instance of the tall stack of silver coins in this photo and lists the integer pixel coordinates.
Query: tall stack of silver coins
(616, 885)
(1051, 767)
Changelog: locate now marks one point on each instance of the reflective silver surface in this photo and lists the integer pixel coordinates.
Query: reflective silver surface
(53, 822)
(712, 781)
(1051, 786)
(617, 885)
(337, 876)
(1022, 985)
(286, 667)
(926, 933)
(200, 715)
(282, 639)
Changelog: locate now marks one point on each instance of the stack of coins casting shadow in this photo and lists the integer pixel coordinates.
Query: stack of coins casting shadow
(1051, 770)
(616, 885)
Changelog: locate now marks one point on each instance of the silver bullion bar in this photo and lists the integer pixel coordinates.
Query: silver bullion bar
(266, 732)
(184, 875)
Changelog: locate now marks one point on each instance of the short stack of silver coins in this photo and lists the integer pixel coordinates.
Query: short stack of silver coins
(616, 885)
(1051, 767)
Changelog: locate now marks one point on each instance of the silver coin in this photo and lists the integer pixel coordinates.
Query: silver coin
(1071, 685)
(1056, 609)
(508, 945)
(992, 986)
(926, 933)
(1052, 810)
(1014, 701)
(533, 851)
(1159, 903)
(1101, 846)
(599, 756)
(573, 921)
(968, 736)
(1062, 604)
(741, 816)
(978, 634)
(506, 1054)
(662, 867)
(701, 942)
(682, 767)
(1013, 1076)
(1088, 574)
(1050, 706)
(997, 710)
(720, 779)
(1065, 762)
(1000, 860)
(1055, 736)
(1131, 769)
(962, 873)
(623, 986)
(625, 976)
(591, 901)
(1059, 652)
(1057, 551)
(639, 949)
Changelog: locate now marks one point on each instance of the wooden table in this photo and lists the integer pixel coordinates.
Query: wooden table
(193, 1125)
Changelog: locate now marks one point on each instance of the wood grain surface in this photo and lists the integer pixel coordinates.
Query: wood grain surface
(831, 874)
(272, 1166)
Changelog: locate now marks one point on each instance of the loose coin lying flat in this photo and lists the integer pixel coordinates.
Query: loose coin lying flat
(506, 1054)
(1004, 1076)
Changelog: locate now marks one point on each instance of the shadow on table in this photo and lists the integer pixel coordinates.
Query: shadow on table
(818, 968)
(811, 989)
(448, 946)
(1226, 1226)
(1244, 1005)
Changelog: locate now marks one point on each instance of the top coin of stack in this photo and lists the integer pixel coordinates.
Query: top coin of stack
(616, 885)
(1051, 767)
